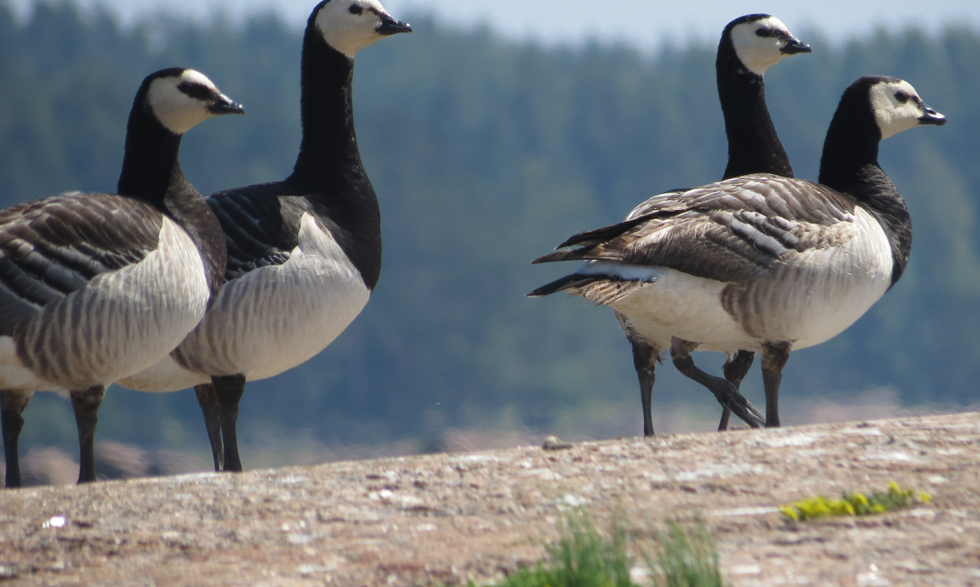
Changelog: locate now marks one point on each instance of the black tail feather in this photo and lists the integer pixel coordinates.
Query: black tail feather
(601, 235)
(569, 281)
(602, 290)
(570, 255)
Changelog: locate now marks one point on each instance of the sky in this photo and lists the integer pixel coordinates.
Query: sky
(646, 23)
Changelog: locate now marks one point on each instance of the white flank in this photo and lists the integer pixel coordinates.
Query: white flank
(121, 322)
(13, 373)
(677, 300)
(272, 319)
(807, 298)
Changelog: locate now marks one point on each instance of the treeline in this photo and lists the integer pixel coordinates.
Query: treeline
(486, 153)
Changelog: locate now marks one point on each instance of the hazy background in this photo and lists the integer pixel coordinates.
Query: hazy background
(643, 23)
(487, 148)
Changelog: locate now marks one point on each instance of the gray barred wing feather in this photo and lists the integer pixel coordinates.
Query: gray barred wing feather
(50, 248)
(733, 230)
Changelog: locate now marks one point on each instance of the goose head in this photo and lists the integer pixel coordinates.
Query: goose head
(181, 98)
(350, 25)
(761, 41)
(897, 106)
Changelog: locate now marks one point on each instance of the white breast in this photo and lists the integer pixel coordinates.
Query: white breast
(118, 324)
(272, 319)
(829, 289)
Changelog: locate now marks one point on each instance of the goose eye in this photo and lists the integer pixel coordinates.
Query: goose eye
(766, 32)
(902, 97)
(355, 9)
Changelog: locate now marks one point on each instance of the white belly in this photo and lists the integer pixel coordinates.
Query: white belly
(677, 304)
(118, 324)
(652, 335)
(163, 376)
(806, 299)
(270, 320)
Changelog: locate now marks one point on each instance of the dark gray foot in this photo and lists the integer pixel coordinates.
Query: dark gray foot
(208, 401)
(726, 393)
(735, 371)
(774, 357)
(86, 404)
(12, 405)
(229, 390)
(726, 415)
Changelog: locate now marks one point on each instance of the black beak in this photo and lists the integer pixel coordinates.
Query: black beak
(794, 46)
(931, 117)
(390, 26)
(224, 105)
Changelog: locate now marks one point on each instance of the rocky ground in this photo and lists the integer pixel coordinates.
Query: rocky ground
(443, 519)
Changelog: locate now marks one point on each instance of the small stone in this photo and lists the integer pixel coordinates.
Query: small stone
(555, 443)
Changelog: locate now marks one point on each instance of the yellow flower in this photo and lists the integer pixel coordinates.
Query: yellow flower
(815, 507)
(855, 504)
(841, 508)
(789, 513)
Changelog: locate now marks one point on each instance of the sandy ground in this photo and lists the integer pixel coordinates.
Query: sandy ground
(443, 519)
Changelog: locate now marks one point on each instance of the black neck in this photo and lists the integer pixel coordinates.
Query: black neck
(329, 147)
(328, 171)
(850, 165)
(850, 151)
(151, 165)
(753, 146)
(151, 173)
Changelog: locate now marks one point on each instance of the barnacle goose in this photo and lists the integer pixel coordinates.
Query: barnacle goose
(304, 254)
(95, 287)
(749, 46)
(760, 262)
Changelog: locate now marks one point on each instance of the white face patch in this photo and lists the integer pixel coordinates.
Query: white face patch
(175, 110)
(897, 107)
(347, 31)
(760, 53)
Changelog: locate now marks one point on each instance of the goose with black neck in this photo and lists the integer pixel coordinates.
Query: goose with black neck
(304, 254)
(749, 46)
(95, 287)
(764, 263)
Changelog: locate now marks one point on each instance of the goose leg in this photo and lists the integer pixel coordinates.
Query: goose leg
(12, 405)
(645, 359)
(735, 371)
(726, 415)
(774, 357)
(229, 390)
(724, 391)
(208, 401)
(86, 404)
